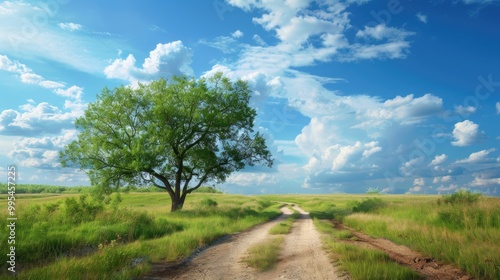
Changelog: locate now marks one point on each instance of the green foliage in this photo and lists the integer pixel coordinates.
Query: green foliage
(207, 189)
(208, 202)
(368, 205)
(168, 134)
(34, 188)
(462, 196)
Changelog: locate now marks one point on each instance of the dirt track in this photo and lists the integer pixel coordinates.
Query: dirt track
(302, 256)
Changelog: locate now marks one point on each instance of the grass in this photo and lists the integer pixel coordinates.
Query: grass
(461, 229)
(360, 263)
(67, 237)
(285, 226)
(61, 235)
(263, 256)
(465, 234)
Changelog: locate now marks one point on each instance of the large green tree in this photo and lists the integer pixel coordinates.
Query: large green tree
(175, 135)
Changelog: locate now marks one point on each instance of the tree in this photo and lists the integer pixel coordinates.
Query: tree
(175, 135)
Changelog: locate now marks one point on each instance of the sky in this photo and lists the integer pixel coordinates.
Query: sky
(399, 95)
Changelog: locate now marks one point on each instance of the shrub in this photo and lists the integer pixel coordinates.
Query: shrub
(208, 202)
(461, 197)
(368, 205)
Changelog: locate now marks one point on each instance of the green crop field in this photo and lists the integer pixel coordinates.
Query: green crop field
(61, 234)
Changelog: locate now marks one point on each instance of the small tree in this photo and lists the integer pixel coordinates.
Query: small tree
(174, 135)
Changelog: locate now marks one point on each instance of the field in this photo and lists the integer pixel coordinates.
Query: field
(71, 234)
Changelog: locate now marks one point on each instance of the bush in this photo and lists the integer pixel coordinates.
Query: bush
(208, 202)
(461, 197)
(369, 205)
(207, 189)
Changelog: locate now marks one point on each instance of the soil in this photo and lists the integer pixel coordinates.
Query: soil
(302, 256)
(425, 265)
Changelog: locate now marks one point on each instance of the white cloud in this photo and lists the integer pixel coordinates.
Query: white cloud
(259, 40)
(38, 119)
(466, 133)
(465, 111)
(237, 34)
(74, 92)
(439, 160)
(70, 26)
(165, 60)
(498, 107)
(408, 168)
(478, 157)
(421, 17)
(248, 179)
(41, 152)
(25, 74)
(381, 32)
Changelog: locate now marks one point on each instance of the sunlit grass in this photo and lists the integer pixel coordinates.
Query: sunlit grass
(360, 263)
(141, 228)
(264, 255)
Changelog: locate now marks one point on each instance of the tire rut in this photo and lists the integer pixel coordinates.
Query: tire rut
(302, 256)
(424, 265)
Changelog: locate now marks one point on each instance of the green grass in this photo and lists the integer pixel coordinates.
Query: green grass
(263, 256)
(461, 229)
(360, 263)
(464, 234)
(285, 226)
(65, 237)
(79, 239)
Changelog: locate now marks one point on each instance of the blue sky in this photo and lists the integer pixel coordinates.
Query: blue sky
(403, 96)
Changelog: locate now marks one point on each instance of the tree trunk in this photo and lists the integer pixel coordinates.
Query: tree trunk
(177, 203)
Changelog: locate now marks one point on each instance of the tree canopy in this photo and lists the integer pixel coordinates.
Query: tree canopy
(176, 135)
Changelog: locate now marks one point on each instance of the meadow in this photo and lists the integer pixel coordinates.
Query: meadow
(61, 234)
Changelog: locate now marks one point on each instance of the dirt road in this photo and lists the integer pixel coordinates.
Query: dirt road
(301, 258)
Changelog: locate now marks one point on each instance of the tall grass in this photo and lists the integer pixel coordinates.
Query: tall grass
(463, 233)
(360, 263)
(76, 238)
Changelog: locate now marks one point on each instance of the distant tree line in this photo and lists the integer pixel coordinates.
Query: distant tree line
(38, 188)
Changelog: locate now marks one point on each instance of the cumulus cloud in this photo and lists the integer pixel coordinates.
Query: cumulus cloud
(38, 119)
(164, 61)
(237, 34)
(438, 160)
(466, 133)
(465, 111)
(478, 157)
(42, 153)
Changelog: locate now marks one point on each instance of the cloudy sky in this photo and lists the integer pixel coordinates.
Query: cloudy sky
(403, 96)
